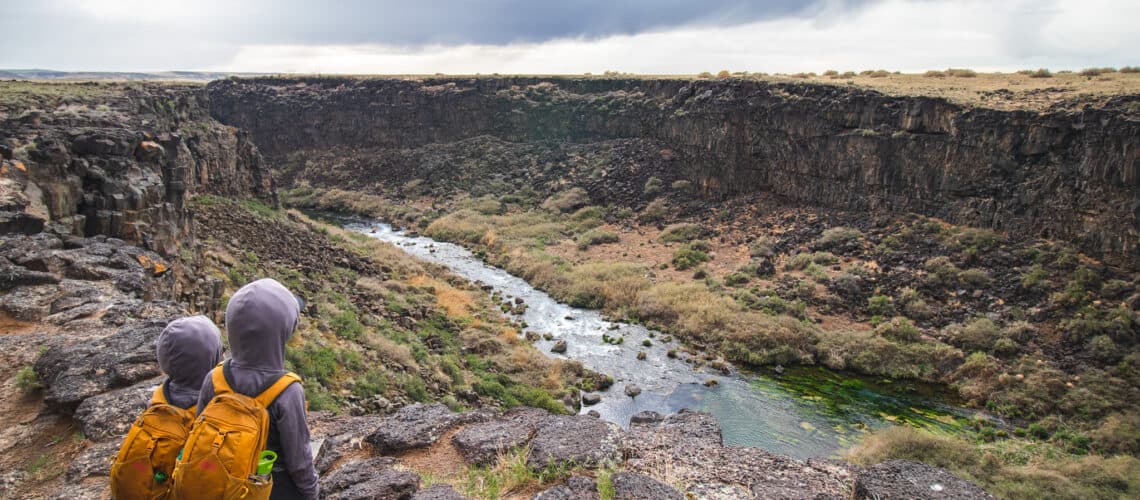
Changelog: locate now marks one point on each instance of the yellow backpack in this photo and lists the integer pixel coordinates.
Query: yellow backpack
(146, 460)
(221, 454)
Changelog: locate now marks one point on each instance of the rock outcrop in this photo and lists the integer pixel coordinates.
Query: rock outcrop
(918, 481)
(1069, 173)
(119, 160)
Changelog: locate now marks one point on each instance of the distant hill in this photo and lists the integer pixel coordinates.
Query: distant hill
(48, 74)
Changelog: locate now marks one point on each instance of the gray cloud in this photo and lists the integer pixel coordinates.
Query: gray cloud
(68, 34)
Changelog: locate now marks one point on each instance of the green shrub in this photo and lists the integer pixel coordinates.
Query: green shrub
(690, 255)
(652, 187)
(898, 329)
(913, 305)
(568, 200)
(1119, 433)
(871, 354)
(346, 325)
(762, 247)
(596, 236)
(816, 272)
(487, 205)
(736, 279)
(979, 334)
(1005, 347)
(846, 285)
(1036, 279)
(801, 261)
(755, 268)
(27, 380)
(314, 362)
(320, 399)
(980, 239)
(836, 236)
(679, 233)
(880, 305)
(1103, 348)
(1090, 321)
(655, 211)
(415, 388)
(1039, 73)
(373, 382)
(976, 278)
(588, 214)
(1130, 69)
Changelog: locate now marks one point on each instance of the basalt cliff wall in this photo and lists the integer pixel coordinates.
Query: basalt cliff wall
(1069, 174)
(119, 160)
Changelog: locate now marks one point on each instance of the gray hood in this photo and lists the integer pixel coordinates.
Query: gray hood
(260, 318)
(187, 349)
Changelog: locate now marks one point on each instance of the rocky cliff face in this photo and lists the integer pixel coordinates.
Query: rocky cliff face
(1070, 173)
(117, 160)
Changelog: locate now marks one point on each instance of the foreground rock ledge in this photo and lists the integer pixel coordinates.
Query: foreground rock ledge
(660, 457)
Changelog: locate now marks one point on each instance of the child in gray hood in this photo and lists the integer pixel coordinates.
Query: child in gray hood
(188, 349)
(260, 318)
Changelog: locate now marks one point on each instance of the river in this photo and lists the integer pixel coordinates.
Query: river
(805, 412)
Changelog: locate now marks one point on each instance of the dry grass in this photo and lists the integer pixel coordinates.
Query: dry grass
(1033, 90)
(458, 303)
(1012, 468)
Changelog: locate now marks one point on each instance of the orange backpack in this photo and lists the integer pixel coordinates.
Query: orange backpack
(146, 460)
(221, 454)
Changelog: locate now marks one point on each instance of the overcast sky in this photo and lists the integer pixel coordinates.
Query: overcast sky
(568, 36)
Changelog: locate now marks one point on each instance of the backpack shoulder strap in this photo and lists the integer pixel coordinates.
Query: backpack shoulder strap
(267, 397)
(159, 397)
(218, 377)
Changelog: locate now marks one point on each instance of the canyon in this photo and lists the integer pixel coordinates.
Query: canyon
(124, 205)
(1069, 172)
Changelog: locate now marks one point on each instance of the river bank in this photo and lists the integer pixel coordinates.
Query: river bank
(803, 413)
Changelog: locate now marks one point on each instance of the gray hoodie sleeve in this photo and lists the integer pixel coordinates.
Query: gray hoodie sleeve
(294, 434)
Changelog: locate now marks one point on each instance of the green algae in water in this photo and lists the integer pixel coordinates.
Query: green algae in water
(816, 412)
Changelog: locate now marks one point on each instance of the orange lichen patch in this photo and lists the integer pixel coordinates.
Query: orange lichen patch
(20, 166)
(156, 267)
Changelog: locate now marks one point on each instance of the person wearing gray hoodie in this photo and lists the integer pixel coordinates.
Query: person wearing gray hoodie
(260, 318)
(187, 350)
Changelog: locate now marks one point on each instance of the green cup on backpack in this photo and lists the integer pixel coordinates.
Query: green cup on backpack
(265, 462)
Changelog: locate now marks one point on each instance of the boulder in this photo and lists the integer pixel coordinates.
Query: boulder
(645, 417)
(94, 461)
(559, 347)
(365, 479)
(482, 443)
(438, 492)
(343, 435)
(633, 486)
(12, 276)
(591, 398)
(632, 390)
(74, 372)
(420, 425)
(910, 479)
(688, 444)
(108, 416)
(576, 488)
(577, 439)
